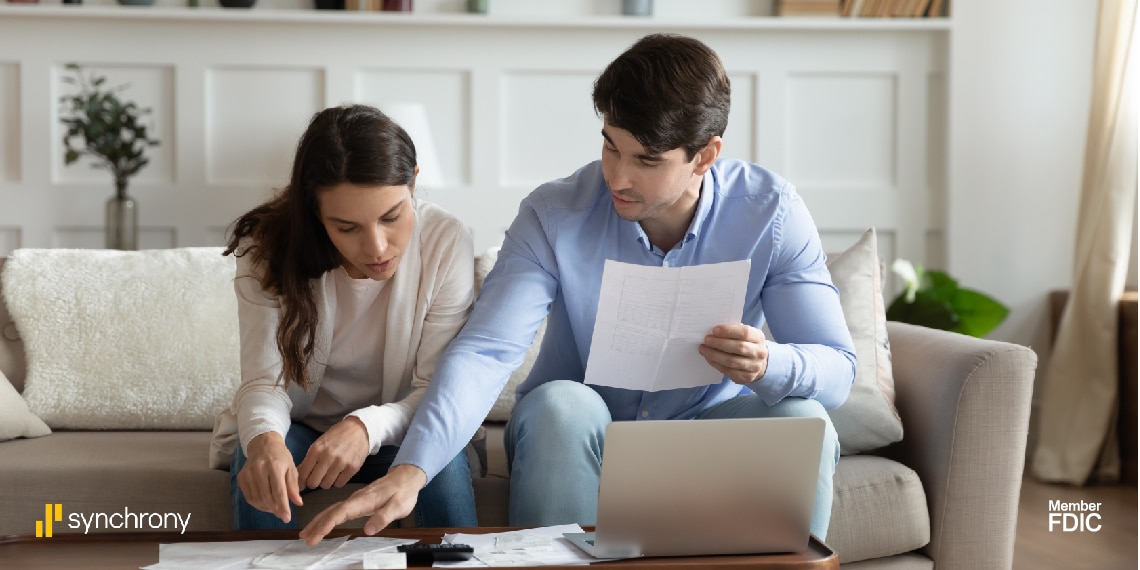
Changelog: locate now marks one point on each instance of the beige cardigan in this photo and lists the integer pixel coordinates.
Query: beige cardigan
(431, 297)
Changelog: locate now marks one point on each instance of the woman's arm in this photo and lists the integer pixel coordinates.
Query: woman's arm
(261, 403)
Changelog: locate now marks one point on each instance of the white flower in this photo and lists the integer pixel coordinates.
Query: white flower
(910, 276)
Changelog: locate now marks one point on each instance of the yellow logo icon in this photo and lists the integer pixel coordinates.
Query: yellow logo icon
(43, 528)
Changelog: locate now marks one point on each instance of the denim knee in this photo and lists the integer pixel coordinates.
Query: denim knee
(558, 412)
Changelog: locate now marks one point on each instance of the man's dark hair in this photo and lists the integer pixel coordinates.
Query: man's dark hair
(668, 91)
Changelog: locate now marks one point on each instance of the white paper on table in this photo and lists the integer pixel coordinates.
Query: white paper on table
(351, 554)
(296, 554)
(241, 554)
(652, 319)
(212, 555)
(558, 551)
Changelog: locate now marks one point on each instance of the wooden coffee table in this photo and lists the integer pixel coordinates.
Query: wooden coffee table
(130, 550)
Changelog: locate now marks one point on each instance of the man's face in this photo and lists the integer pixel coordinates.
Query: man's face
(646, 186)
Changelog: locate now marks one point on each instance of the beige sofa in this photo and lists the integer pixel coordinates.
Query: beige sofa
(946, 495)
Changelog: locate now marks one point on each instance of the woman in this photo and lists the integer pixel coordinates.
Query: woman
(348, 290)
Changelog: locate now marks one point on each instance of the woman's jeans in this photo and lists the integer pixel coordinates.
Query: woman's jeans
(447, 501)
(554, 446)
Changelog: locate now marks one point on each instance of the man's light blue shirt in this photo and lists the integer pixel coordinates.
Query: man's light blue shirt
(551, 264)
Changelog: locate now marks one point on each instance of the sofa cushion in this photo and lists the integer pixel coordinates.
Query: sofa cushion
(868, 419)
(15, 419)
(125, 340)
(142, 472)
(879, 509)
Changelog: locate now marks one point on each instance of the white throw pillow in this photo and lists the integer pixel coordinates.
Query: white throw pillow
(868, 419)
(126, 340)
(15, 419)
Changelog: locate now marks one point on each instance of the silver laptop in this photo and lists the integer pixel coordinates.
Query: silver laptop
(697, 487)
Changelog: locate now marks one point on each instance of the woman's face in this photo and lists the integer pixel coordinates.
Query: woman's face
(369, 225)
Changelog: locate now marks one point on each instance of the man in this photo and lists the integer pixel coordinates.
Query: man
(659, 196)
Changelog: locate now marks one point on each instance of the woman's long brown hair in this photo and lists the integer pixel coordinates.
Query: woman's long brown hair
(354, 144)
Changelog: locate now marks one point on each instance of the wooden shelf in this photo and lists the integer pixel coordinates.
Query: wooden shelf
(153, 13)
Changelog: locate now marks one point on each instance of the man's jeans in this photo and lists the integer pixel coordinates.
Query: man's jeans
(447, 501)
(554, 444)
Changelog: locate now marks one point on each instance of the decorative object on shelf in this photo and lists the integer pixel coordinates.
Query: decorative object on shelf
(23, 1)
(237, 3)
(72, 1)
(933, 299)
(362, 5)
(637, 7)
(136, 2)
(396, 5)
(192, 3)
(477, 6)
(101, 125)
(328, 4)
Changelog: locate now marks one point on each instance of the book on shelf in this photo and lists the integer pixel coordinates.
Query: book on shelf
(807, 8)
(892, 8)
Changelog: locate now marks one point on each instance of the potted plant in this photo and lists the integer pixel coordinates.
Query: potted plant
(99, 124)
(933, 299)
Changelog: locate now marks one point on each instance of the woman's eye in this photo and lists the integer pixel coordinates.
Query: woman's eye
(346, 230)
(390, 220)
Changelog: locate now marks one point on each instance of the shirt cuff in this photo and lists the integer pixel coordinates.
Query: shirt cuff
(383, 424)
(779, 378)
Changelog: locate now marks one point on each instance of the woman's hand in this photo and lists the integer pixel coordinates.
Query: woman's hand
(386, 499)
(336, 456)
(268, 480)
(738, 351)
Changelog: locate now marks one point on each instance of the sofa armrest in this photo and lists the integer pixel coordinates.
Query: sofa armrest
(964, 404)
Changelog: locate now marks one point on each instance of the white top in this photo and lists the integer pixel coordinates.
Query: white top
(355, 358)
(428, 300)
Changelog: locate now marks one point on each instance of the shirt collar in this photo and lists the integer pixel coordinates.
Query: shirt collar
(704, 206)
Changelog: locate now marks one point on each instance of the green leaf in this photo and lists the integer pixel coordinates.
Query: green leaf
(978, 313)
(926, 310)
(70, 156)
(940, 285)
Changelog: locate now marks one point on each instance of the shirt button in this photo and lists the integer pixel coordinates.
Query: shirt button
(665, 263)
(645, 413)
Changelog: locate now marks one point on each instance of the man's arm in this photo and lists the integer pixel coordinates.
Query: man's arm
(814, 356)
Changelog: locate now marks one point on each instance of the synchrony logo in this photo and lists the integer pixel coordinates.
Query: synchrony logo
(53, 513)
(43, 528)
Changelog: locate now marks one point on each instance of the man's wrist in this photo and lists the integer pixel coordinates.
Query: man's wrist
(406, 473)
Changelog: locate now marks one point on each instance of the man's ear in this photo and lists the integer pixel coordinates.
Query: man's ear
(707, 155)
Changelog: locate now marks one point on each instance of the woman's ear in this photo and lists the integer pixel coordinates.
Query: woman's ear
(707, 155)
(415, 174)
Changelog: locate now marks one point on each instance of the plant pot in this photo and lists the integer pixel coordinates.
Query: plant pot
(237, 3)
(122, 224)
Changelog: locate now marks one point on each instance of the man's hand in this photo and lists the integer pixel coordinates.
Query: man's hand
(336, 456)
(386, 499)
(268, 480)
(737, 351)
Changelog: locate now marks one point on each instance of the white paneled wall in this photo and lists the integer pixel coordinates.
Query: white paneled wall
(852, 112)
